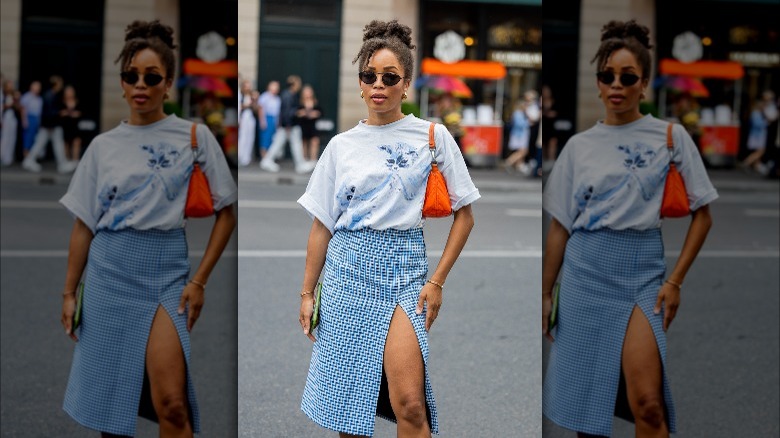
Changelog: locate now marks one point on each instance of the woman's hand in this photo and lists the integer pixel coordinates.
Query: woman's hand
(432, 294)
(193, 294)
(546, 310)
(670, 296)
(68, 309)
(307, 309)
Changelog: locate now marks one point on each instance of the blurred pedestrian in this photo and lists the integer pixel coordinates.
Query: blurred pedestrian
(71, 116)
(309, 111)
(757, 136)
(247, 125)
(533, 113)
(366, 196)
(50, 130)
(616, 300)
(140, 299)
(519, 136)
(450, 114)
(271, 104)
(32, 103)
(290, 132)
(11, 111)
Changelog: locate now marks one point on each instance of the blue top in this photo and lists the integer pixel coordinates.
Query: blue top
(613, 176)
(375, 176)
(137, 176)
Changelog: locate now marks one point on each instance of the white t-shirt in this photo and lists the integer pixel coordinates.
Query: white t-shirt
(375, 176)
(613, 176)
(137, 176)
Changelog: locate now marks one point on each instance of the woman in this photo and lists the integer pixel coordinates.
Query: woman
(132, 355)
(371, 352)
(616, 301)
(518, 140)
(247, 125)
(308, 113)
(71, 115)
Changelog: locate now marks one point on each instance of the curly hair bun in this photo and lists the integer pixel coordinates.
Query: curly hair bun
(150, 29)
(388, 29)
(629, 29)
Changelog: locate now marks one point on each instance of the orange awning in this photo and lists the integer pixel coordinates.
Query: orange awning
(702, 69)
(466, 69)
(225, 69)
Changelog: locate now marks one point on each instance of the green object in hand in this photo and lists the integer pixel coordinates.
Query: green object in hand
(315, 316)
(554, 311)
(77, 314)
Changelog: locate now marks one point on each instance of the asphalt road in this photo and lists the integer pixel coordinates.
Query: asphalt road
(485, 349)
(36, 354)
(723, 348)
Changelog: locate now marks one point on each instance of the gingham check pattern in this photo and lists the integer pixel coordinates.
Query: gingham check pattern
(605, 274)
(367, 274)
(129, 274)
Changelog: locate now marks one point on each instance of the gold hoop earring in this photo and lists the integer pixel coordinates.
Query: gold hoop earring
(361, 93)
(166, 96)
(405, 96)
(124, 95)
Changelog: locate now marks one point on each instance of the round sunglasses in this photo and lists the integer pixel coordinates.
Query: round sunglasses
(388, 78)
(150, 79)
(608, 77)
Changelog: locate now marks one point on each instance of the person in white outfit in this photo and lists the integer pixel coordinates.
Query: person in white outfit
(247, 125)
(289, 130)
(9, 99)
(51, 129)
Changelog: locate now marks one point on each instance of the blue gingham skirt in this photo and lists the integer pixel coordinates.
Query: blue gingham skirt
(367, 274)
(605, 274)
(130, 273)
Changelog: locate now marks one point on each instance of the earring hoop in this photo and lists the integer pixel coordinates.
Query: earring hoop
(405, 96)
(361, 93)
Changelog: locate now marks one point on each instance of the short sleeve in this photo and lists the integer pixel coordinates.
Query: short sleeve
(224, 191)
(688, 161)
(319, 199)
(81, 199)
(453, 167)
(558, 196)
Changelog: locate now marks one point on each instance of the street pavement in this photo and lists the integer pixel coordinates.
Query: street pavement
(36, 353)
(485, 348)
(723, 348)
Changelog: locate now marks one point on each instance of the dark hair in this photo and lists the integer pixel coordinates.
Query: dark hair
(631, 36)
(389, 35)
(154, 35)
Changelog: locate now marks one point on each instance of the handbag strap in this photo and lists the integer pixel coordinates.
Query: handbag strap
(194, 137)
(432, 144)
(669, 140)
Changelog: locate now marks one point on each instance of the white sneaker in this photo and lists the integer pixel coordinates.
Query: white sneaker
(67, 167)
(269, 166)
(524, 168)
(305, 167)
(31, 166)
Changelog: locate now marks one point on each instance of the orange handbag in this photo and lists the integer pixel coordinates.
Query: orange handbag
(199, 203)
(675, 202)
(437, 199)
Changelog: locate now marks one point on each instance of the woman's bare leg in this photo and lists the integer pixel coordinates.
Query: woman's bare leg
(644, 377)
(405, 372)
(167, 372)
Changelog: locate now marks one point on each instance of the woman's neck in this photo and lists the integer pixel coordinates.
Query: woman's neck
(142, 119)
(384, 118)
(622, 118)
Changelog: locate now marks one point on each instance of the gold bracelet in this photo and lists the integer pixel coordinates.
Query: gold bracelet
(441, 286)
(305, 292)
(679, 285)
(202, 285)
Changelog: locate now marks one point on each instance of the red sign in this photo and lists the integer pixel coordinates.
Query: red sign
(481, 140)
(719, 140)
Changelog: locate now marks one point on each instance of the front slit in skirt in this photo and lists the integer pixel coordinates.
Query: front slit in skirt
(606, 273)
(368, 273)
(130, 274)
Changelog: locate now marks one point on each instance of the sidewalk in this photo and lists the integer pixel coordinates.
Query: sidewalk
(728, 180)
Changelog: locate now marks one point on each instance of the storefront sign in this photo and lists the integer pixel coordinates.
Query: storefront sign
(517, 59)
(756, 59)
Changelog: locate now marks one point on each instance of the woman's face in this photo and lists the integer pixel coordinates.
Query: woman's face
(622, 100)
(383, 100)
(146, 100)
